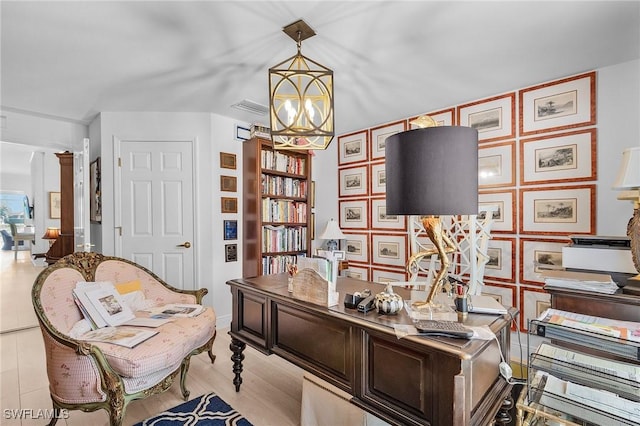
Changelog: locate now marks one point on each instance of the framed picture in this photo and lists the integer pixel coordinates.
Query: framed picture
(312, 194)
(380, 134)
(229, 204)
(389, 249)
(339, 255)
(566, 157)
(230, 252)
(313, 226)
(242, 133)
(357, 272)
(533, 302)
(378, 179)
(230, 228)
(227, 160)
(535, 255)
(228, 183)
(442, 118)
(497, 165)
(561, 210)
(558, 105)
(95, 192)
(354, 181)
(504, 208)
(357, 248)
(493, 118)
(502, 260)
(381, 220)
(379, 275)
(54, 205)
(352, 148)
(354, 214)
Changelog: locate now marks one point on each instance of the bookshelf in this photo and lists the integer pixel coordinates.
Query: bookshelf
(276, 212)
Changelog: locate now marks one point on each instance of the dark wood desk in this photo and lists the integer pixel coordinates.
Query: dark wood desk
(409, 381)
(618, 306)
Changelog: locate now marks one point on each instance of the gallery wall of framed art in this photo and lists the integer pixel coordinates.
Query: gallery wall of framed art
(537, 162)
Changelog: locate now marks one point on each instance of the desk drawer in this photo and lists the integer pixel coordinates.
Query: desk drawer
(321, 345)
(250, 318)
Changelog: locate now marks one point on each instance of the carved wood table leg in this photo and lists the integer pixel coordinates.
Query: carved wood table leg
(237, 347)
(503, 416)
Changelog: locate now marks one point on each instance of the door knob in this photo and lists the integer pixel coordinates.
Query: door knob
(186, 244)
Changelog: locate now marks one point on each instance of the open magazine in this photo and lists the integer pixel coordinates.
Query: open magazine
(176, 310)
(123, 336)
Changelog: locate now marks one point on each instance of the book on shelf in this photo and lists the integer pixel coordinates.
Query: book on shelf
(122, 336)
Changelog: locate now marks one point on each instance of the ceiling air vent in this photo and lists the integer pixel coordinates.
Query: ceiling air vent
(250, 106)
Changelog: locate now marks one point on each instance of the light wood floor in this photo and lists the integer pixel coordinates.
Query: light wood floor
(270, 394)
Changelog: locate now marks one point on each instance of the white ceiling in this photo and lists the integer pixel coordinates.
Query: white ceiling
(390, 59)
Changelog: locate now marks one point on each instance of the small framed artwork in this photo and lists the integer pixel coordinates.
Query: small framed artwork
(339, 255)
(54, 205)
(230, 252)
(230, 228)
(381, 220)
(242, 133)
(503, 204)
(533, 302)
(497, 165)
(228, 183)
(566, 157)
(95, 191)
(536, 255)
(493, 118)
(380, 134)
(357, 272)
(312, 226)
(357, 248)
(389, 249)
(561, 210)
(558, 105)
(354, 181)
(227, 160)
(354, 214)
(229, 204)
(442, 118)
(502, 260)
(378, 179)
(352, 148)
(379, 275)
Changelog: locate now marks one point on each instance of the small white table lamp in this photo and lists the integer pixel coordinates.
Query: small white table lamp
(628, 180)
(332, 233)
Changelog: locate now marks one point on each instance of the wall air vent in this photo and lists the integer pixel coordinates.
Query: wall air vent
(252, 107)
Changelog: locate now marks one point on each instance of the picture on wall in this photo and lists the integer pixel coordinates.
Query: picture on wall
(562, 210)
(228, 183)
(557, 105)
(496, 165)
(354, 181)
(227, 160)
(380, 134)
(538, 254)
(230, 229)
(379, 275)
(533, 302)
(354, 214)
(566, 157)
(352, 148)
(502, 256)
(357, 272)
(444, 117)
(54, 205)
(229, 204)
(503, 204)
(356, 247)
(389, 249)
(493, 118)
(95, 191)
(378, 179)
(381, 220)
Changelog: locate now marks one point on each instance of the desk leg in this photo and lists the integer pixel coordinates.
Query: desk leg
(237, 347)
(503, 417)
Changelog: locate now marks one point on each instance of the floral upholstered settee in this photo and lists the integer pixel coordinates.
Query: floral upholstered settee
(89, 376)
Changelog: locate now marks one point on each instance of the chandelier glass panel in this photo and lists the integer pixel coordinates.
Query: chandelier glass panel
(301, 103)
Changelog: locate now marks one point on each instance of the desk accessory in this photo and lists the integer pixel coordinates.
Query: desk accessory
(443, 328)
(388, 302)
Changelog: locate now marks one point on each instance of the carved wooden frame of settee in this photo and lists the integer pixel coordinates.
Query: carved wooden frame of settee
(111, 382)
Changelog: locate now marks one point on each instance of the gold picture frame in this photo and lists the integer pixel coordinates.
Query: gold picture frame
(229, 204)
(228, 183)
(227, 160)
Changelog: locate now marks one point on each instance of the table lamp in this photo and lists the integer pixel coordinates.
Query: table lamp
(430, 172)
(629, 180)
(332, 233)
(52, 235)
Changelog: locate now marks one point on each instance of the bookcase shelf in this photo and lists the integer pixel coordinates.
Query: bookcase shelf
(276, 209)
(585, 375)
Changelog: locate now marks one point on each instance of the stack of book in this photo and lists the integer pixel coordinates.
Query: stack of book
(260, 131)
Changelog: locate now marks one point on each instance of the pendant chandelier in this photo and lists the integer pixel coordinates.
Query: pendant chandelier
(300, 98)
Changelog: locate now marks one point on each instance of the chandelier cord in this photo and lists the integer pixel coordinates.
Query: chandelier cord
(299, 43)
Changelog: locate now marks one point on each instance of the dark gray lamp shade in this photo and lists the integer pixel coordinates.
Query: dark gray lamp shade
(432, 171)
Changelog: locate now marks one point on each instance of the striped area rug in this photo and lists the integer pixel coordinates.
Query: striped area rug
(205, 410)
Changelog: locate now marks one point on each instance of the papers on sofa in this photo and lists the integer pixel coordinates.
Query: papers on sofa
(123, 336)
(176, 310)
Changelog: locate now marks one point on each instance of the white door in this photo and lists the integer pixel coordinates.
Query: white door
(155, 205)
(81, 219)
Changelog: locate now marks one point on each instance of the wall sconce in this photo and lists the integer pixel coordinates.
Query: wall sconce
(300, 98)
(333, 233)
(629, 180)
(433, 171)
(52, 235)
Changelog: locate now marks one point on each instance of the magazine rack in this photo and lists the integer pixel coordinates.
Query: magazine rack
(580, 377)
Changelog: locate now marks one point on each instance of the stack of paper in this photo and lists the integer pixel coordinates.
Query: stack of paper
(598, 283)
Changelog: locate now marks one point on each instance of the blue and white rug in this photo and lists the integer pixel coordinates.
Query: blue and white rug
(205, 410)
